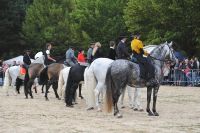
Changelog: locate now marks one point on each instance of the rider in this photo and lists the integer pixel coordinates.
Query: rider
(122, 51)
(147, 70)
(48, 58)
(70, 57)
(27, 59)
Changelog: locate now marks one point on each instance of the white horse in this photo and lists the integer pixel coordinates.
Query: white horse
(62, 81)
(94, 78)
(13, 72)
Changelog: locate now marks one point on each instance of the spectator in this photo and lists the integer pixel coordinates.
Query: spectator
(112, 52)
(89, 53)
(97, 52)
(81, 57)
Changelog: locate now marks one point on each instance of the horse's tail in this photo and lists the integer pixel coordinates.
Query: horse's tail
(109, 97)
(68, 87)
(7, 79)
(90, 84)
(43, 76)
(60, 83)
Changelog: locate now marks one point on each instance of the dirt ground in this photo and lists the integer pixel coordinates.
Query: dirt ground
(179, 109)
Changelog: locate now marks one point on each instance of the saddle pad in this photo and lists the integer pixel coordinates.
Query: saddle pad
(22, 71)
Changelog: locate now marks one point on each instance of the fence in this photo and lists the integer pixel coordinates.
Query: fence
(175, 77)
(1, 76)
(183, 77)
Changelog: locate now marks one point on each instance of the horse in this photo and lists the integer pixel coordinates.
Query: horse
(76, 75)
(134, 101)
(32, 73)
(62, 81)
(49, 76)
(95, 76)
(11, 75)
(123, 72)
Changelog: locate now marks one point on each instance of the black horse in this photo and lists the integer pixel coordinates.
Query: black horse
(76, 75)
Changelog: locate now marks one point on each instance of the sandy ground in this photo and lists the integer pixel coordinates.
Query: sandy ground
(179, 109)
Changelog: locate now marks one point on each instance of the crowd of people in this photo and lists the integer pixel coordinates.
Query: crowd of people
(185, 72)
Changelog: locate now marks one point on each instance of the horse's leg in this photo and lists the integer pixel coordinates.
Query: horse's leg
(97, 90)
(149, 91)
(115, 101)
(155, 92)
(80, 88)
(43, 88)
(122, 98)
(137, 98)
(29, 87)
(18, 84)
(47, 89)
(73, 92)
(55, 87)
(130, 96)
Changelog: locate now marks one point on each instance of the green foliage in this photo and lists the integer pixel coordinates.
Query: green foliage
(12, 14)
(49, 21)
(100, 20)
(161, 20)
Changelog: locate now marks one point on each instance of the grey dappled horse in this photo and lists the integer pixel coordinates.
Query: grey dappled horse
(123, 72)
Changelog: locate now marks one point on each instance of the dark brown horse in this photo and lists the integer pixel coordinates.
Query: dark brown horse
(50, 76)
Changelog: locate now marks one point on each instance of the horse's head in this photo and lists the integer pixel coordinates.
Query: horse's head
(164, 51)
(170, 52)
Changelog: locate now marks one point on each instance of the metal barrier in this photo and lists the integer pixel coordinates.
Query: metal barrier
(1, 76)
(183, 77)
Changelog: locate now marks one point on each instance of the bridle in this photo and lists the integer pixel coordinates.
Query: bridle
(164, 60)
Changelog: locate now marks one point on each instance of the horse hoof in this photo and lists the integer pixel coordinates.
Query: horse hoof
(59, 98)
(123, 107)
(47, 99)
(70, 106)
(119, 116)
(26, 97)
(156, 114)
(81, 97)
(135, 109)
(141, 110)
(150, 113)
(99, 110)
(32, 97)
(91, 108)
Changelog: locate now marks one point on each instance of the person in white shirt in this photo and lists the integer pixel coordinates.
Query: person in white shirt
(48, 58)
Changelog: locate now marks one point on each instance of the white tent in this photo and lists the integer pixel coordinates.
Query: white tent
(18, 59)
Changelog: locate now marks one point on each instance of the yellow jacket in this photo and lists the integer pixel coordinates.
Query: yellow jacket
(136, 45)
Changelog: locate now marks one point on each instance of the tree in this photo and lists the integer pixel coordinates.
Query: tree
(11, 17)
(161, 20)
(49, 21)
(100, 20)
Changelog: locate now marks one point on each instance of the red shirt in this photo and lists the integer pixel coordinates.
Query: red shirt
(81, 57)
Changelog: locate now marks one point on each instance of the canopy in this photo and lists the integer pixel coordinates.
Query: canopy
(18, 59)
(179, 55)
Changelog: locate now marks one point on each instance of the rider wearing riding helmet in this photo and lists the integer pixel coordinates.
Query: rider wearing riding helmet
(147, 70)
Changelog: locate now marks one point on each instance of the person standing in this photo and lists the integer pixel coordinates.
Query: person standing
(89, 53)
(112, 53)
(122, 52)
(70, 58)
(97, 52)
